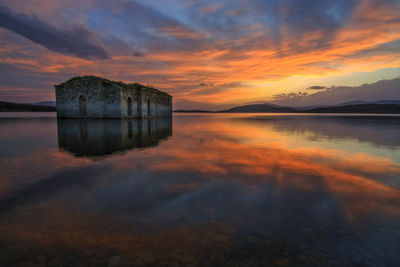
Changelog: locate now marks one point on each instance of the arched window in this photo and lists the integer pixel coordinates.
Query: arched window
(129, 106)
(148, 108)
(82, 105)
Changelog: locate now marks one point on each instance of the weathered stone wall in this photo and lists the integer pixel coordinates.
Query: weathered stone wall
(112, 99)
(160, 104)
(133, 93)
(109, 99)
(102, 100)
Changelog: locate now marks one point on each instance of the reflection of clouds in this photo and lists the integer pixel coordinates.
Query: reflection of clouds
(343, 176)
(214, 151)
(24, 149)
(224, 155)
(360, 128)
(218, 188)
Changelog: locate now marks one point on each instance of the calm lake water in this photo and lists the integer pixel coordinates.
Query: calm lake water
(200, 189)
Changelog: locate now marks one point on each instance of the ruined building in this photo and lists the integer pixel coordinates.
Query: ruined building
(95, 97)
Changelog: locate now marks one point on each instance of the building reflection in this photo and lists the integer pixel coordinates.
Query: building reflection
(92, 138)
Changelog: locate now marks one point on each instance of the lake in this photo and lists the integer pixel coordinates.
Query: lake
(200, 189)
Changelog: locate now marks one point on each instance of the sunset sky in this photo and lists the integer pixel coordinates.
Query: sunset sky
(206, 54)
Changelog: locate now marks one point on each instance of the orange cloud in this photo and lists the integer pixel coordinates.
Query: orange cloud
(246, 54)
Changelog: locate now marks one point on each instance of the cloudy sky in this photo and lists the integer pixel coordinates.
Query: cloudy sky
(206, 53)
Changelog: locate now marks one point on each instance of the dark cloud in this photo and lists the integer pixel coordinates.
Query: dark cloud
(206, 84)
(286, 96)
(279, 96)
(146, 28)
(138, 54)
(283, 25)
(214, 89)
(317, 87)
(77, 41)
(312, 15)
(381, 90)
(290, 96)
(14, 76)
(300, 18)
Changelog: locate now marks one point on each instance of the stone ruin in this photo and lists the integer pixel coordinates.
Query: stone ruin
(95, 97)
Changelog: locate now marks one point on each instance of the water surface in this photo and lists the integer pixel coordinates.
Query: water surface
(201, 189)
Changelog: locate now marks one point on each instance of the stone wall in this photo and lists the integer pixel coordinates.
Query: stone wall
(160, 104)
(134, 93)
(112, 99)
(102, 98)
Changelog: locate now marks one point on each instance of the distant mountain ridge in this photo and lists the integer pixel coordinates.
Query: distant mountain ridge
(358, 106)
(395, 102)
(361, 108)
(45, 103)
(355, 102)
(16, 107)
(360, 102)
(378, 107)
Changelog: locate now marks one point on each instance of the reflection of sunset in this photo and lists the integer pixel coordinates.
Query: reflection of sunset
(347, 175)
(221, 185)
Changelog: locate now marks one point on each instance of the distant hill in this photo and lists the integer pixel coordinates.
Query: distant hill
(45, 103)
(15, 107)
(363, 108)
(310, 107)
(192, 111)
(259, 108)
(378, 107)
(360, 102)
(355, 102)
(396, 102)
(355, 108)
